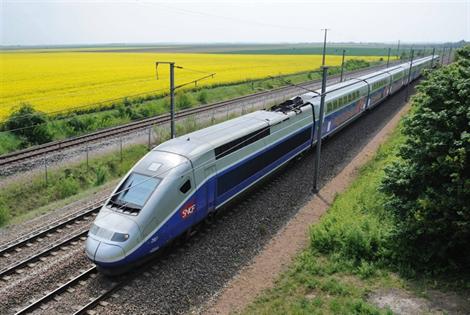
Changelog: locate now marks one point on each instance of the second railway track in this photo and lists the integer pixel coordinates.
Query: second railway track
(40, 150)
(53, 227)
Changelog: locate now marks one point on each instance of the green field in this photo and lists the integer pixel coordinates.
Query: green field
(335, 50)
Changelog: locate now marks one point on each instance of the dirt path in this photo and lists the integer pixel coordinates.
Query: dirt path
(290, 240)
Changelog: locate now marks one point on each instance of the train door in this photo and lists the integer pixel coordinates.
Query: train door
(210, 173)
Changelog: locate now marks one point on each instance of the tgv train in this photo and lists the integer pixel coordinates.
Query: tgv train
(186, 179)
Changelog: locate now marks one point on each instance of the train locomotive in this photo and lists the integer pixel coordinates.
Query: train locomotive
(184, 180)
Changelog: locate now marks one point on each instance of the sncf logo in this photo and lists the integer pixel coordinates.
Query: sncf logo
(188, 210)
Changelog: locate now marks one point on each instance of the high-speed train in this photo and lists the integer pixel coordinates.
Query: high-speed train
(186, 179)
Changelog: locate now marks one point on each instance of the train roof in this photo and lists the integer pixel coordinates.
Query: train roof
(196, 143)
(199, 142)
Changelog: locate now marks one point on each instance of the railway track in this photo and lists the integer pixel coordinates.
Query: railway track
(83, 276)
(41, 234)
(115, 284)
(40, 150)
(31, 260)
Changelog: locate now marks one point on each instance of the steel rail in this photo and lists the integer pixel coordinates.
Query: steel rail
(99, 298)
(50, 229)
(59, 290)
(11, 269)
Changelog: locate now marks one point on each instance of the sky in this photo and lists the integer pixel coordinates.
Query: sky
(69, 22)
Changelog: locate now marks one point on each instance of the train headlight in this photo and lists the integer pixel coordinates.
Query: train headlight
(119, 237)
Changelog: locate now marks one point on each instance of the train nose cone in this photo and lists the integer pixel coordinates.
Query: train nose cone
(91, 246)
(99, 251)
(108, 253)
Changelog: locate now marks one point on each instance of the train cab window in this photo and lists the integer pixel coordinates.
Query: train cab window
(186, 186)
(134, 193)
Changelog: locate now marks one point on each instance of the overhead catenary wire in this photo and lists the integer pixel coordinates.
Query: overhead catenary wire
(69, 118)
(134, 95)
(191, 170)
(204, 164)
(91, 105)
(139, 94)
(193, 12)
(84, 106)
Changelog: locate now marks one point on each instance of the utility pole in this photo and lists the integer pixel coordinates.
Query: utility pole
(172, 99)
(173, 88)
(342, 66)
(409, 76)
(319, 129)
(450, 54)
(398, 48)
(172, 93)
(432, 59)
(388, 58)
(442, 57)
(324, 45)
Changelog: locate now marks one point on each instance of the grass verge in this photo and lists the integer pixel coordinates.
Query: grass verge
(21, 197)
(349, 255)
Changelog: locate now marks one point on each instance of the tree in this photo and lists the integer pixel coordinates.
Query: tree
(428, 188)
(29, 124)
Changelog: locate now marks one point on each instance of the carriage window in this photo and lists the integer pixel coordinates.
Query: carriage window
(186, 186)
(237, 144)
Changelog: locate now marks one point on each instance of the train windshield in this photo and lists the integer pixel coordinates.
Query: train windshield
(134, 192)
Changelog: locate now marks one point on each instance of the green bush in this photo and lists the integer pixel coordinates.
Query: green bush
(183, 101)
(101, 175)
(354, 64)
(68, 186)
(202, 97)
(29, 124)
(4, 213)
(428, 189)
(77, 124)
(355, 237)
(9, 142)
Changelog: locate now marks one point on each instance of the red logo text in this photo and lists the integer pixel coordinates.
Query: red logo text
(188, 210)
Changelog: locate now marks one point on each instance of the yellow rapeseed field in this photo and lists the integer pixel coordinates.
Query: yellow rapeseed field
(53, 81)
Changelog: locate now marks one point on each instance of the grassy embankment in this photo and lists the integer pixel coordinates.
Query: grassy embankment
(348, 255)
(122, 111)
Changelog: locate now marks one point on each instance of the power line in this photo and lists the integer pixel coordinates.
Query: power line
(235, 18)
(69, 118)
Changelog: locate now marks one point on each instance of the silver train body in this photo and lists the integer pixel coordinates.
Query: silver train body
(183, 180)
